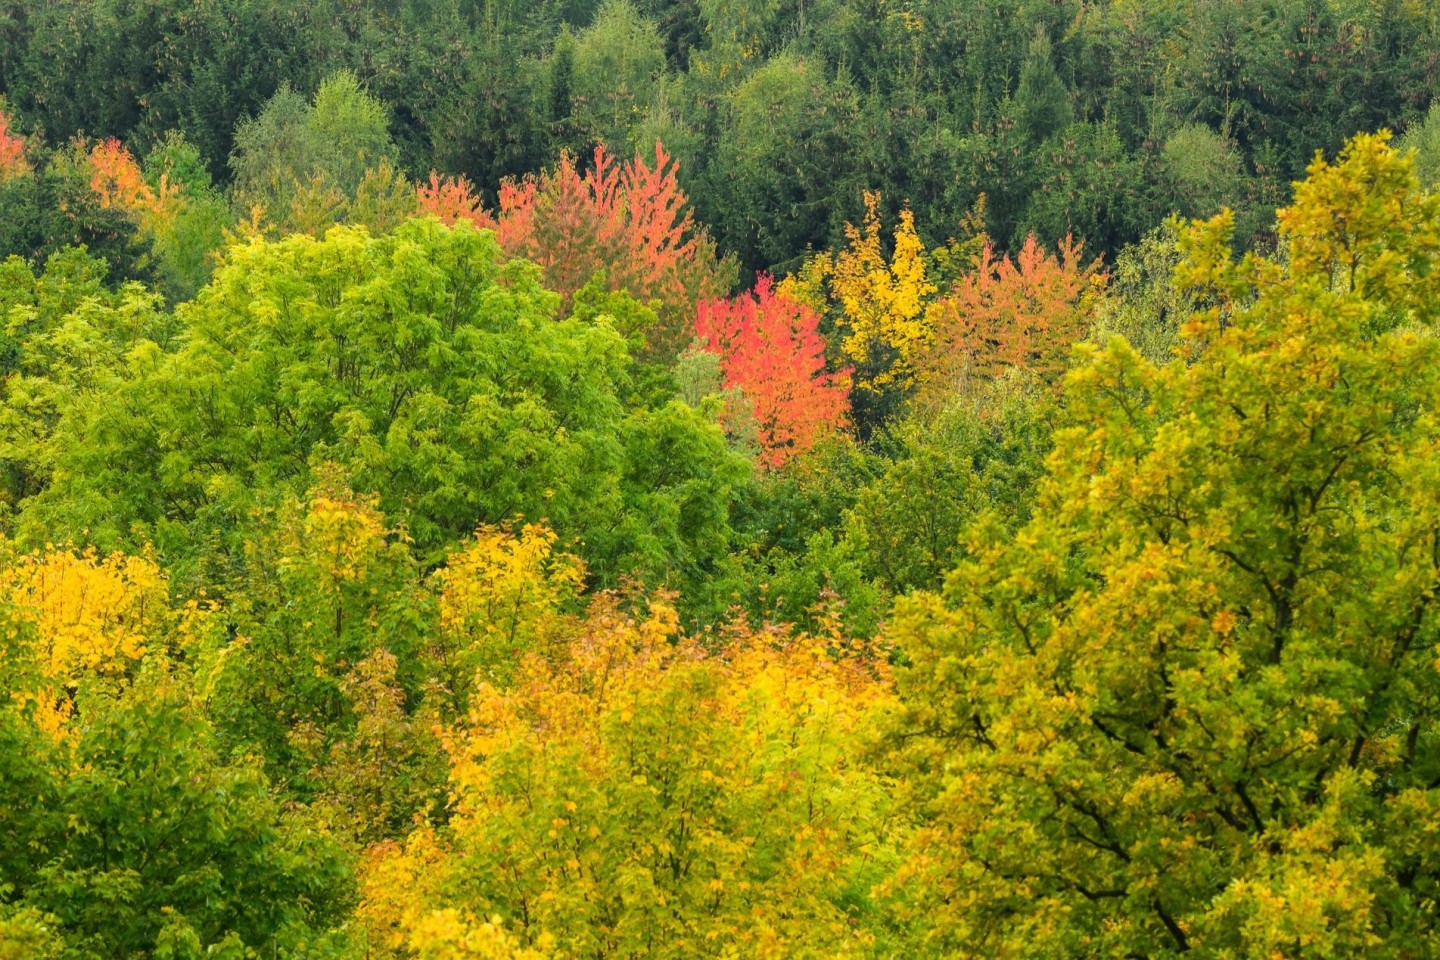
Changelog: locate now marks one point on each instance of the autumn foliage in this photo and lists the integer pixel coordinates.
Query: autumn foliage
(452, 200)
(1024, 312)
(12, 151)
(881, 300)
(635, 793)
(770, 349)
(630, 220)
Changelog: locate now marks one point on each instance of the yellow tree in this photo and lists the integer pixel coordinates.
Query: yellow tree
(634, 793)
(80, 616)
(498, 594)
(882, 302)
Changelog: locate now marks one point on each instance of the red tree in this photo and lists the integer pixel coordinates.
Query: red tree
(12, 152)
(770, 349)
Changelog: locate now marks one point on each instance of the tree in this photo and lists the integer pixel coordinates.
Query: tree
(1191, 706)
(67, 332)
(1024, 313)
(770, 349)
(47, 203)
(627, 224)
(637, 794)
(630, 220)
(1205, 170)
(183, 222)
(434, 375)
(978, 453)
(126, 831)
(618, 60)
(881, 302)
(1141, 301)
(13, 160)
(1424, 139)
(1042, 104)
(452, 200)
(300, 162)
(780, 180)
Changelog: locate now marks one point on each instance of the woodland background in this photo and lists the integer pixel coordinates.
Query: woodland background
(787, 478)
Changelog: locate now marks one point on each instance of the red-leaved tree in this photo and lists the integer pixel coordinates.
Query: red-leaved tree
(452, 200)
(630, 220)
(12, 152)
(1005, 313)
(770, 349)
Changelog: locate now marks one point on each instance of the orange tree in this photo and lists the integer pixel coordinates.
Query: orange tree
(628, 222)
(1026, 313)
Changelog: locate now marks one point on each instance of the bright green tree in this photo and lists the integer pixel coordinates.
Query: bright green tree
(435, 376)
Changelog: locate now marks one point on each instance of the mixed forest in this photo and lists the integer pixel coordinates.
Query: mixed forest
(520, 479)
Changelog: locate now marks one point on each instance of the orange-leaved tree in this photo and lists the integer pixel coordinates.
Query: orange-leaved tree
(771, 350)
(453, 200)
(630, 221)
(1026, 312)
(13, 162)
(117, 180)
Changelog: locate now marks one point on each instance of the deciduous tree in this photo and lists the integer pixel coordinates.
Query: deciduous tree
(1191, 707)
(770, 349)
(1024, 313)
(640, 795)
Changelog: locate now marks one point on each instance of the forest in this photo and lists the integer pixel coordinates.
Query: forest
(528, 479)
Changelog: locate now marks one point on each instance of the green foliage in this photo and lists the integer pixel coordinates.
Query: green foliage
(1142, 301)
(1190, 707)
(126, 831)
(298, 161)
(1042, 104)
(1205, 169)
(783, 144)
(1424, 139)
(617, 61)
(434, 375)
(185, 247)
(43, 212)
(64, 333)
(976, 456)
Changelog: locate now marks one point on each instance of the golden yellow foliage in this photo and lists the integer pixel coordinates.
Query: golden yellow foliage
(498, 582)
(883, 302)
(638, 793)
(83, 615)
(497, 594)
(343, 533)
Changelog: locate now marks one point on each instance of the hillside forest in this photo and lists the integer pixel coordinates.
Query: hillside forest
(526, 479)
